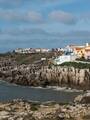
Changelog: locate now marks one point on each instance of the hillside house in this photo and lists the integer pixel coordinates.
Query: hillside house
(80, 51)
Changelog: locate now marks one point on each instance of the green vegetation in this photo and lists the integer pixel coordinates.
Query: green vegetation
(6, 55)
(76, 65)
(83, 59)
(25, 58)
(30, 58)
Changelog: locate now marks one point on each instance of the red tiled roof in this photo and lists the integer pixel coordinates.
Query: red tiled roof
(78, 48)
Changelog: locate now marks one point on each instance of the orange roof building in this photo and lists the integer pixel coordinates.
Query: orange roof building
(81, 51)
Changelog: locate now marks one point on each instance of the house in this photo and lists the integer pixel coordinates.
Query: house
(77, 50)
(80, 51)
(43, 50)
(87, 52)
(83, 52)
(64, 58)
(19, 50)
(38, 50)
(72, 52)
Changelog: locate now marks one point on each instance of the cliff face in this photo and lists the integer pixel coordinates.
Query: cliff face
(67, 76)
(39, 76)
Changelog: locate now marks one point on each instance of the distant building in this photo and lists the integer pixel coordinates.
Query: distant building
(38, 50)
(80, 51)
(31, 50)
(64, 58)
(43, 50)
(87, 52)
(19, 50)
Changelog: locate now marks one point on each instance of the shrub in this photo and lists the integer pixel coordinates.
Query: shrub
(76, 65)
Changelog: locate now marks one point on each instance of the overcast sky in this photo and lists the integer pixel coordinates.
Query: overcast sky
(43, 23)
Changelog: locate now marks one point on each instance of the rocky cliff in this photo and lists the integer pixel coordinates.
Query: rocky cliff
(32, 75)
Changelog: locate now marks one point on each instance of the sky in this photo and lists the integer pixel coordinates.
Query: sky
(43, 23)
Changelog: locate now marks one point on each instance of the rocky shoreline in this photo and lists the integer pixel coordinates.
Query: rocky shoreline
(43, 75)
(31, 75)
(26, 110)
(39, 75)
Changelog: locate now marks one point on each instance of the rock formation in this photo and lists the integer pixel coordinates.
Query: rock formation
(24, 110)
(34, 75)
(84, 99)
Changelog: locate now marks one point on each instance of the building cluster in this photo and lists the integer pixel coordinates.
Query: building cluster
(37, 50)
(31, 50)
(80, 51)
(73, 52)
(68, 54)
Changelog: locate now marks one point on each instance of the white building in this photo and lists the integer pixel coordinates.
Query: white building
(43, 50)
(38, 50)
(64, 58)
(19, 50)
(31, 50)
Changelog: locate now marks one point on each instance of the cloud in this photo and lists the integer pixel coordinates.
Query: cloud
(18, 1)
(37, 17)
(63, 17)
(27, 31)
(23, 31)
(77, 34)
(36, 37)
(61, 2)
(34, 16)
(38, 34)
(85, 16)
(10, 3)
(29, 16)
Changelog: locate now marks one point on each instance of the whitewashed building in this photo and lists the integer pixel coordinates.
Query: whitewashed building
(19, 50)
(64, 58)
(43, 50)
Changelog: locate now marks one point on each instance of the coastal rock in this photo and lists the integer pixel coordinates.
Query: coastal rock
(44, 76)
(26, 110)
(83, 98)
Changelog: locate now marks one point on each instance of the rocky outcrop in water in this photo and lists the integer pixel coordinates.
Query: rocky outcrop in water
(24, 110)
(84, 99)
(33, 75)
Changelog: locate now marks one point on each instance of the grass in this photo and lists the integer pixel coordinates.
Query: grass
(83, 59)
(26, 58)
(76, 65)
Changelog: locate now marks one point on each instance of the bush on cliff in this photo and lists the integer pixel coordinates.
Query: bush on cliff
(76, 65)
(83, 59)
